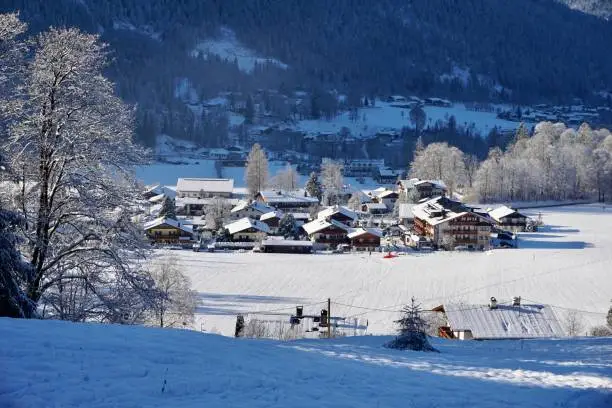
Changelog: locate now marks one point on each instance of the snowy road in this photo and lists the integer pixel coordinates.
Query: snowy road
(568, 265)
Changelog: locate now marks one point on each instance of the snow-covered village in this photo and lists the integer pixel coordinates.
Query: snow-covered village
(224, 204)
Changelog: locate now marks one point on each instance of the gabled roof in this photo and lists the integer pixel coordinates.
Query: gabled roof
(210, 185)
(157, 198)
(376, 206)
(169, 222)
(501, 212)
(386, 193)
(442, 209)
(320, 224)
(414, 182)
(272, 197)
(336, 209)
(256, 205)
(504, 322)
(246, 223)
(377, 232)
(270, 215)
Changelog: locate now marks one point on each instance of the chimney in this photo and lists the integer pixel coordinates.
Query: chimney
(493, 304)
(516, 301)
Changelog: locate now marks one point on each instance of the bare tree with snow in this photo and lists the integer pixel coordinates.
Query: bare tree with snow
(176, 305)
(286, 179)
(574, 324)
(256, 171)
(331, 175)
(70, 145)
(439, 161)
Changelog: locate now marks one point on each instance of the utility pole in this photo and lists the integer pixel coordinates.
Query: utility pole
(329, 322)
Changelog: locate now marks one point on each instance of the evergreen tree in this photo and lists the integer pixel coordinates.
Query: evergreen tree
(412, 326)
(609, 317)
(168, 209)
(287, 227)
(13, 270)
(418, 117)
(313, 186)
(249, 113)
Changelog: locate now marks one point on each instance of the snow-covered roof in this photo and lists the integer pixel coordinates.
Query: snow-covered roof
(415, 182)
(157, 198)
(205, 184)
(376, 206)
(182, 201)
(505, 321)
(167, 221)
(300, 216)
(246, 223)
(386, 193)
(405, 210)
(153, 189)
(337, 209)
(442, 209)
(273, 197)
(255, 205)
(501, 212)
(320, 224)
(362, 231)
(270, 215)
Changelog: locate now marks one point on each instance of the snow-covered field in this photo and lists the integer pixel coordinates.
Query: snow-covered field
(384, 116)
(61, 364)
(567, 265)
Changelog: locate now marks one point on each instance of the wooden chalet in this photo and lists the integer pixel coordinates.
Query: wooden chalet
(509, 219)
(449, 224)
(168, 231)
(365, 239)
(329, 233)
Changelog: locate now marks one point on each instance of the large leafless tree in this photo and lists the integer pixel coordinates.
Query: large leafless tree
(70, 147)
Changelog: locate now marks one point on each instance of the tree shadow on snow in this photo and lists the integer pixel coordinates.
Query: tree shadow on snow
(559, 229)
(543, 244)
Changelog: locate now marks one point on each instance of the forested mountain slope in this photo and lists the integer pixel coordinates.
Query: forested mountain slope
(520, 51)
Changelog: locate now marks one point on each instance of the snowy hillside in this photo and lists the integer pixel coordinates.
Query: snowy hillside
(227, 47)
(81, 365)
(566, 265)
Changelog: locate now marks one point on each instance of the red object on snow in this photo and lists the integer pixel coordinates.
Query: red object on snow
(389, 256)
